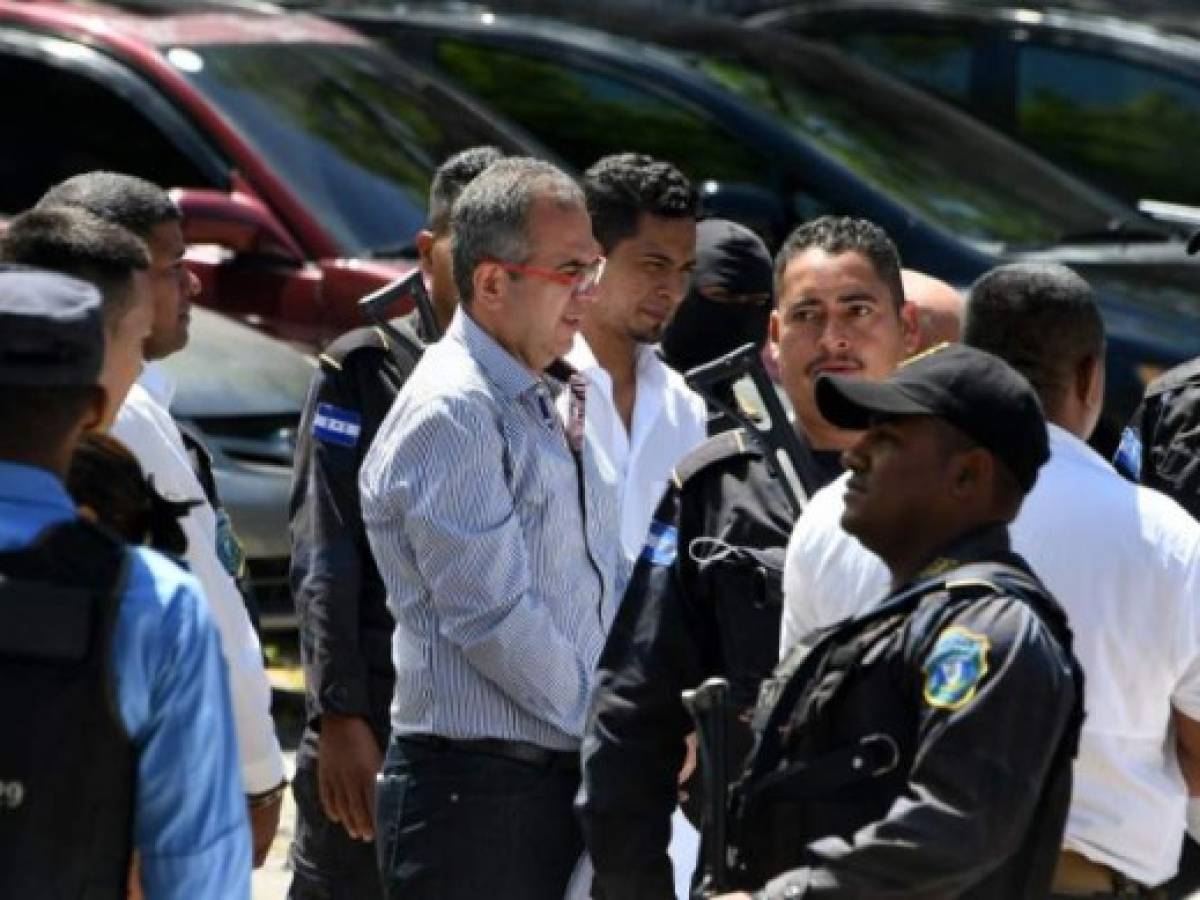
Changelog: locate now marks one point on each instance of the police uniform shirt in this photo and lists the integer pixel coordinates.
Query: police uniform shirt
(1124, 562)
(145, 426)
(190, 827)
(705, 599)
(922, 749)
(345, 628)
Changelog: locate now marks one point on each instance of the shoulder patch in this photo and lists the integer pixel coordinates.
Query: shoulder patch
(1128, 458)
(719, 447)
(335, 425)
(1180, 376)
(662, 544)
(954, 668)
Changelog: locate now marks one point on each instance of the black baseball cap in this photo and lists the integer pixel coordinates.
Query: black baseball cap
(979, 394)
(51, 330)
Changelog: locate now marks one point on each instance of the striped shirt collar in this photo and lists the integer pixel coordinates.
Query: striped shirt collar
(500, 366)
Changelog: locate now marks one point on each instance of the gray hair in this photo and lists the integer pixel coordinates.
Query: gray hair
(490, 219)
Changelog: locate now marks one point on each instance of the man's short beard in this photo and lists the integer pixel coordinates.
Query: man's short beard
(651, 335)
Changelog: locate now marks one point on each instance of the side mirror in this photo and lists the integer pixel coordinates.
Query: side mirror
(236, 221)
(747, 204)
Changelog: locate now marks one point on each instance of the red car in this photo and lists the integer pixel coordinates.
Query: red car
(301, 153)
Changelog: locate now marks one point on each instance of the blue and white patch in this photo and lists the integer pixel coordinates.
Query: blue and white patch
(662, 544)
(230, 551)
(1128, 458)
(335, 425)
(955, 667)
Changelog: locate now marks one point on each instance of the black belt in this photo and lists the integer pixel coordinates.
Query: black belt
(518, 751)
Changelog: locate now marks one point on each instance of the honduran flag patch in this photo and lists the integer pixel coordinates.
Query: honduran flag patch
(662, 544)
(335, 425)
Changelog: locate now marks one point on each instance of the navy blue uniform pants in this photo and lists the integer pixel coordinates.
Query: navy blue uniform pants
(327, 864)
(458, 825)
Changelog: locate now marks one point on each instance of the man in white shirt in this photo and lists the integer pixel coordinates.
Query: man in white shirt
(639, 412)
(640, 416)
(146, 427)
(1123, 561)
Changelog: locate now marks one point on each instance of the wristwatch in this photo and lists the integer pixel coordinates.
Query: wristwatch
(267, 797)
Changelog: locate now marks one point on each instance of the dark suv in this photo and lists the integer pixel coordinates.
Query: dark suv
(779, 130)
(1109, 92)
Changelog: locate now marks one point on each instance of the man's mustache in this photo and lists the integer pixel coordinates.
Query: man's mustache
(841, 361)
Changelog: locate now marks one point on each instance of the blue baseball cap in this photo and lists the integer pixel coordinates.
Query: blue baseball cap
(51, 329)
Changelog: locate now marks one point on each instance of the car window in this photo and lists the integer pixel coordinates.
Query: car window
(940, 63)
(585, 114)
(357, 137)
(1123, 125)
(62, 122)
(933, 160)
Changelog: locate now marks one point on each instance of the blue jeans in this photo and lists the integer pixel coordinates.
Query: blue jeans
(457, 825)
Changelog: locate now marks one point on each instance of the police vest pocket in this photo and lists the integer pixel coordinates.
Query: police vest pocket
(747, 592)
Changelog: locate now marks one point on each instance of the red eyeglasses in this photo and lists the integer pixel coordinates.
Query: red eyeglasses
(584, 281)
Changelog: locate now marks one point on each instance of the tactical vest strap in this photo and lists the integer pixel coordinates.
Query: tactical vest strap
(872, 756)
(781, 692)
(66, 811)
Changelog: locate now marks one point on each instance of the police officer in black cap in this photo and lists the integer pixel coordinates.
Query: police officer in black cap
(345, 628)
(924, 747)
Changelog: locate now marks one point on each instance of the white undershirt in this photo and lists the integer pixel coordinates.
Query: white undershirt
(1124, 562)
(668, 422)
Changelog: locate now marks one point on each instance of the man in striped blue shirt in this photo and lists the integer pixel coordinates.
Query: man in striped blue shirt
(496, 533)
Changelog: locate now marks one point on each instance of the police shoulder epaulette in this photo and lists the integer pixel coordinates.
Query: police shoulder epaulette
(1186, 373)
(364, 338)
(719, 447)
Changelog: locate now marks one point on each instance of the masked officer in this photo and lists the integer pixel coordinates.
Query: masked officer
(923, 748)
(728, 305)
(118, 733)
(705, 597)
(345, 628)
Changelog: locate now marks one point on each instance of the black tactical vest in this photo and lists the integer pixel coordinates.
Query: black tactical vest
(67, 767)
(787, 799)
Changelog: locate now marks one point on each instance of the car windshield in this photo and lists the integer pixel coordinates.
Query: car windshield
(957, 174)
(356, 136)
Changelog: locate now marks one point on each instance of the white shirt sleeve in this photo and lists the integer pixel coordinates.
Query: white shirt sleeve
(151, 434)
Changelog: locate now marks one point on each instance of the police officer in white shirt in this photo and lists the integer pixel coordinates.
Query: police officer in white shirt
(641, 418)
(1123, 561)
